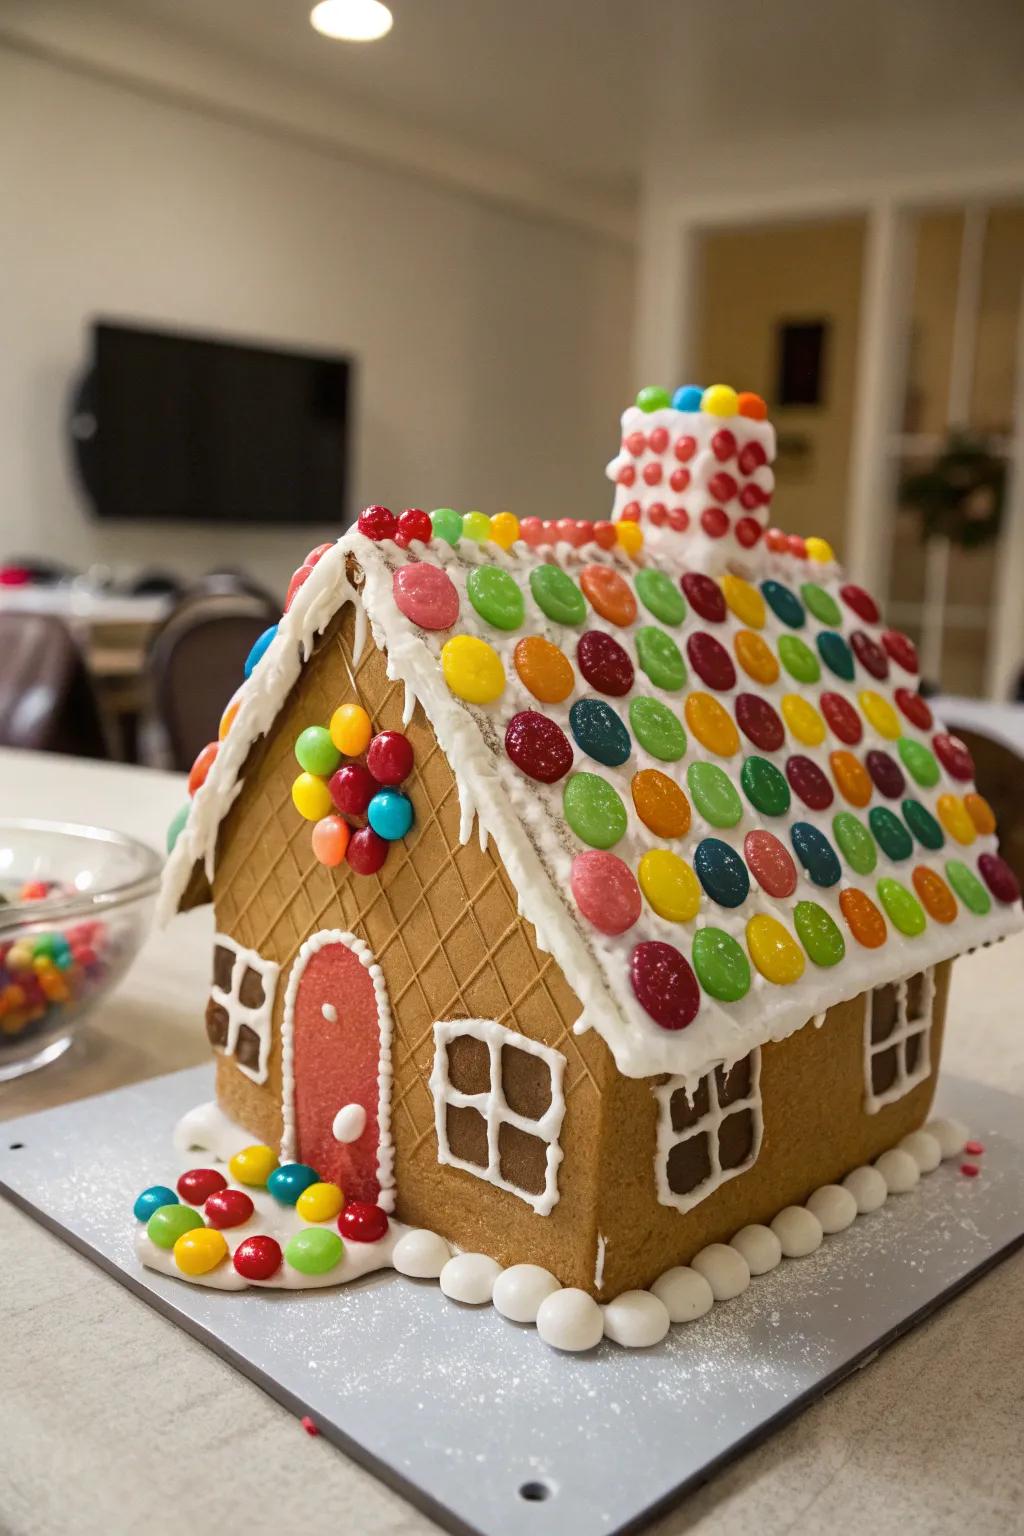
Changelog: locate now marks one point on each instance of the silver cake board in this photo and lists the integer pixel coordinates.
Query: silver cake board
(473, 1418)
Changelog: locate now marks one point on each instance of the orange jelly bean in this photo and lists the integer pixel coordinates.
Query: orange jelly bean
(934, 894)
(660, 803)
(956, 818)
(544, 669)
(609, 593)
(981, 813)
(711, 724)
(863, 918)
(852, 778)
(754, 657)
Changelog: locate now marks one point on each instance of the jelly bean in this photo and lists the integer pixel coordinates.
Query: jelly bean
(606, 891)
(934, 895)
(661, 658)
(770, 863)
(361, 1222)
(902, 649)
(426, 595)
(918, 762)
(836, 654)
(843, 720)
(314, 1251)
(722, 968)
(198, 1184)
(765, 787)
(721, 872)
(152, 1199)
(413, 523)
(890, 833)
(495, 596)
(902, 909)
(287, 1182)
(557, 595)
(351, 729)
(352, 788)
(687, 398)
(711, 724)
(968, 887)
(504, 529)
(661, 596)
(798, 659)
(711, 661)
(228, 1208)
(390, 757)
(704, 596)
(253, 1165)
(200, 1251)
(259, 650)
(714, 795)
(785, 605)
(366, 851)
(472, 669)
(923, 824)
(169, 1222)
(855, 842)
(227, 719)
(476, 526)
(747, 529)
(818, 933)
(311, 797)
(999, 877)
(879, 714)
(200, 769)
(863, 918)
(796, 546)
(886, 774)
(751, 405)
(870, 654)
(532, 531)
(803, 720)
(852, 778)
(757, 720)
(821, 603)
(861, 602)
(176, 827)
(660, 803)
(821, 551)
(447, 524)
(630, 538)
(390, 814)
(755, 657)
(538, 747)
(669, 885)
(594, 810)
(653, 398)
(915, 708)
(316, 752)
(545, 670)
(604, 663)
(609, 594)
(808, 781)
(954, 755)
(956, 819)
(664, 984)
(377, 523)
(719, 400)
(320, 1202)
(981, 814)
(657, 729)
(775, 953)
(599, 732)
(257, 1258)
(815, 853)
(744, 601)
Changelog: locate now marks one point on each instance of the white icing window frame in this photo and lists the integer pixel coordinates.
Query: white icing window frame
(709, 1123)
(494, 1109)
(259, 1019)
(903, 1030)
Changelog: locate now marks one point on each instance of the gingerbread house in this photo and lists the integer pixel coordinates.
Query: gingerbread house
(586, 891)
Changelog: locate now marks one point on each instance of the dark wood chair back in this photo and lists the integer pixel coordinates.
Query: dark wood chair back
(47, 702)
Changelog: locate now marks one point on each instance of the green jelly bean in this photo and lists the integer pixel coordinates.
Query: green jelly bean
(919, 762)
(818, 934)
(594, 810)
(904, 910)
(722, 968)
(495, 596)
(657, 729)
(316, 752)
(653, 398)
(169, 1222)
(447, 524)
(314, 1250)
(714, 795)
(821, 603)
(660, 658)
(893, 838)
(660, 595)
(798, 659)
(856, 844)
(923, 824)
(557, 595)
(176, 827)
(968, 887)
(765, 787)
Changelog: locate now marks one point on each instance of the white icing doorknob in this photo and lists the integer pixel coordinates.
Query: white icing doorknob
(349, 1123)
(329, 1012)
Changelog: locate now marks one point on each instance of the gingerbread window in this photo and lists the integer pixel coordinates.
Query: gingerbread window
(708, 1131)
(498, 1107)
(241, 1006)
(897, 1031)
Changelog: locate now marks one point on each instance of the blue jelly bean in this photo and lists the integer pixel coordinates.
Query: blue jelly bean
(687, 397)
(287, 1182)
(836, 654)
(721, 872)
(390, 814)
(599, 732)
(258, 650)
(785, 605)
(152, 1199)
(815, 853)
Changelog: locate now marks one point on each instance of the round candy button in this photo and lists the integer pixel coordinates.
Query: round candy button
(704, 596)
(200, 1251)
(803, 720)
(785, 604)
(472, 669)
(257, 1258)
(879, 714)
(722, 968)
(426, 595)
(599, 732)
(914, 707)
(661, 658)
(366, 852)
(918, 762)
(815, 853)
(870, 655)
(660, 803)
(604, 663)
(664, 984)
(861, 603)
(360, 1221)
(670, 885)
(152, 1199)
(721, 872)
(954, 755)
(447, 524)
(843, 719)
(657, 729)
(757, 720)
(713, 794)
(311, 797)
(855, 842)
(661, 596)
(923, 824)
(968, 887)
(774, 951)
(744, 601)
(198, 1184)
(476, 526)
(711, 724)
(903, 909)
(754, 656)
(228, 1208)
(885, 772)
(606, 891)
(836, 654)
(771, 864)
(818, 933)
(390, 757)
(808, 781)
(330, 841)
(287, 1182)
(495, 596)
(609, 593)
(316, 752)
(351, 729)
(711, 661)
(890, 833)
(538, 747)
(798, 659)
(390, 814)
(765, 787)
(999, 877)
(594, 810)
(981, 813)
(902, 649)
(259, 650)
(352, 788)
(320, 1202)
(956, 819)
(863, 918)
(557, 595)
(852, 779)
(169, 1222)
(821, 603)
(253, 1165)
(314, 1251)
(934, 894)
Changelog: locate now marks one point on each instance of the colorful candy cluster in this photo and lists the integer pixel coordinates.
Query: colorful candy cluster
(43, 975)
(716, 400)
(503, 529)
(356, 805)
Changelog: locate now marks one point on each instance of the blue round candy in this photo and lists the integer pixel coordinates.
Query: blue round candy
(815, 853)
(785, 604)
(152, 1199)
(287, 1182)
(836, 654)
(599, 732)
(256, 654)
(721, 872)
(390, 814)
(688, 397)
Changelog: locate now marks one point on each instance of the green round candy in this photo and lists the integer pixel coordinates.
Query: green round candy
(660, 658)
(314, 1250)
(316, 752)
(918, 761)
(476, 526)
(822, 605)
(714, 795)
(892, 836)
(594, 810)
(923, 824)
(968, 887)
(169, 1222)
(904, 910)
(447, 524)
(176, 827)
(657, 729)
(856, 844)
(557, 595)
(45, 944)
(818, 934)
(765, 787)
(798, 659)
(653, 398)
(722, 968)
(495, 596)
(661, 595)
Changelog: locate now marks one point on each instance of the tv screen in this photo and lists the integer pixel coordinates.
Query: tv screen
(198, 430)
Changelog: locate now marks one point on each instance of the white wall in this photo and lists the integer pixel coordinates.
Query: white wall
(493, 346)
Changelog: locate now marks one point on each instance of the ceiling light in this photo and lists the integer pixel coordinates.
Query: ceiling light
(352, 21)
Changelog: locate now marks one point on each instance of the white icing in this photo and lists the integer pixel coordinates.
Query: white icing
(798, 1231)
(349, 1123)
(834, 1208)
(330, 1013)
(519, 1291)
(570, 1320)
(725, 1270)
(951, 1135)
(602, 1249)
(636, 1319)
(899, 1171)
(759, 1246)
(924, 1148)
(902, 1032)
(257, 1019)
(206, 1128)
(685, 1293)
(868, 1188)
(469, 1278)
(708, 1125)
(421, 1254)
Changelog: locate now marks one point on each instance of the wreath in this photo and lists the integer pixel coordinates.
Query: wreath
(960, 495)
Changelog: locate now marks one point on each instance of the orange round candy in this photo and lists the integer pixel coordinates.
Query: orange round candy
(544, 669)
(660, 803)
(754, 657)
(751, 405)
(852, 778)
(981, 813)
(863, 918)
(609, 593)
(934, 894)
(711, 724)
(227, 719)
(956, 818)
(330, 840)
(202, 765)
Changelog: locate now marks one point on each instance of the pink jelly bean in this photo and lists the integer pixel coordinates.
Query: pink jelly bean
(606, 891)
(426, 595)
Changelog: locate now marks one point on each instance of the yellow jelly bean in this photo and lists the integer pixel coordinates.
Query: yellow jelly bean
(351, 729)
(630, 536)
(227, 719)
(745, 601)
(19, 957)
(476, 525)
(803, 720)
(820, 550)
(504, 529)
(755, 657)
(320, 1202)
(777, 956)
(253, 1165)
(711, 724)
(311, 797)
(720, 400)
(200, 1250)
(669, 884)
(956, 818)
(472, 669)
(880, 714)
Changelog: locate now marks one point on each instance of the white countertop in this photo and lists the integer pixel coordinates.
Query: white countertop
(112, 1420)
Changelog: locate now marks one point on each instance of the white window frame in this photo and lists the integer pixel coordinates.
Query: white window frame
(669, 1137)
(903, 1030)
(493, 1107)
(258, 1019)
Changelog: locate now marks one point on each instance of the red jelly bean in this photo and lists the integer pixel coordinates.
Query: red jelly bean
(685, 449)
(870, 654)
(954, 756)
(886, 773)
(715, 522)
(201, 767)
(722, 486)
(366, 851)
(770, 863)
(362, 1222)
(974, 1148)
(659, 440)
(606, 891)
(752, 457)
(257, 1258)
(796, 546)
(915, 708)
(775, 539)
(679, 519)
(747, 531)
(300, 576)
(679, 479)
(752, 497)
(389, 757)
(538, 746)
(652, 474)
(862, 603)
(657, 513)
(604, 535)
(664, 984)
(636, 442)
(999, 877)
(970, 1170)
(711, 661)
(414, 523)
(902, 649)
(626, 475)
(723, 445)
(759, 721)
(228, 1208)
(377, 523)
(704, 596)
(629, 514)
(604, 663)
(807, 780)
(843, 720)
(352, 788)
(198, 1184)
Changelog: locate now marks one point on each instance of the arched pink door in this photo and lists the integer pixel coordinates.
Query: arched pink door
(337, 1038)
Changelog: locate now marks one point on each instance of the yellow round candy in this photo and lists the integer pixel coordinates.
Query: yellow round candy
(199, 1251)
(19, 957)
(351, 729)
(320, 1202)
(253, 1165)
(669, 884)
(720, 400)
(880, 714)
(776, 954)
(711, 724)
(227, 719)
(956, 818)
(745, 601)
(820, 550)
(803, 720)
(311, 797)
(476, 525)
(472, 669)
(630, 536)
(504, 529)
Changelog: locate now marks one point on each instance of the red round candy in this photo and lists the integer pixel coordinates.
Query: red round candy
(902, 649)
(770, 863)
(389, 757)
(366, 851)
(723, 445)
(870, 654)
(352, 788)
(862, 603)
(606, 891)
(659, 440)
(604, 535)
(685, 449)
(752, 496)
(715, 522)
(414, 523)
(915, 708)
(626, 475)
(711, 661)
(377, 523)
(538, 746)
(531, 529)
(198, 1184)
(747, 530)
(257, 1258)
(954, 755)
(722, 486)
(604, 664)
(228, 1208)
(657, 513)
(752, 457)
(886, 773)
(361, 1222)
(842, 719)
(999, 877)
(775, 539)
(796, 546)
(652, 474)
(679, 479)
(664, 984)
(679, 519)
(636, 442)
(807, 780)
(758, 720)
(317, 554)
(303, 574)
(202, 765)
(629, 514)
(704, 596)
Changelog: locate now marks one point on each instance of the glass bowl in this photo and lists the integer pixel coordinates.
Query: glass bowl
(75, 906)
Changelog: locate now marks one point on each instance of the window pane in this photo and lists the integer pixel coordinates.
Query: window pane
(884, 1010)
(467, 1134)
(523, 1159)
(687, 1111)
(689, 1164)
(736, 1139)
(526, 1082)
(469, 1065)
(734, 1084)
